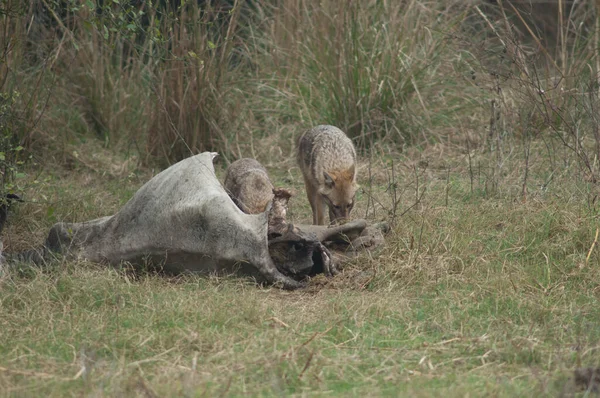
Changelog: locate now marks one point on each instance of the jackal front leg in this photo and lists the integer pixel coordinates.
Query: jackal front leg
(321, 210)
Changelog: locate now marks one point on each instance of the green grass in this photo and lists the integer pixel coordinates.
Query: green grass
(153, 331)
(490, 279)
(487, 295)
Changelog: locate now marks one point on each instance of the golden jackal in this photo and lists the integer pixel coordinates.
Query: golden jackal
(248, 184)
(327, 159)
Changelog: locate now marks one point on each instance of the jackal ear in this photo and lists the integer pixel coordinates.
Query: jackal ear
(352, 170)
(329, 181)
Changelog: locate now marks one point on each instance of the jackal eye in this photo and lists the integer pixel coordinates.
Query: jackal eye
(337, 207)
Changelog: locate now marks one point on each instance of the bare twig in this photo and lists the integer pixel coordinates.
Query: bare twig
(307, 364)
(587, 259)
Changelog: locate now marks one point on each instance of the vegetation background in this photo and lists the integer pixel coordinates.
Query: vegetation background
(478, 128)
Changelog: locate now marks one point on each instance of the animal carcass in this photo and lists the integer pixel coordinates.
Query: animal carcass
(183, 220)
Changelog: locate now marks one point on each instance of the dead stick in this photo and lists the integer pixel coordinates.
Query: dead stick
(307, 364)
(587, 259)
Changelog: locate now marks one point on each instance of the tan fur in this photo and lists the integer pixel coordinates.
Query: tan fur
(249, 186)
(327, 159)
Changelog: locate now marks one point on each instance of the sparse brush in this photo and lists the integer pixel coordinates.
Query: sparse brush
(540, 87)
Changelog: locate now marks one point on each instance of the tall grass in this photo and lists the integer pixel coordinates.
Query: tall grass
(93, 81)
(534, 88)
(152, 79)
(170, 81)
(23, 93)
(194, 86)
(366, 66)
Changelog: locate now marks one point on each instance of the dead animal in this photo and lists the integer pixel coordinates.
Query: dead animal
(184, 221)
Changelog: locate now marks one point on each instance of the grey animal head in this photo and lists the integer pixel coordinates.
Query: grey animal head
(297, 253)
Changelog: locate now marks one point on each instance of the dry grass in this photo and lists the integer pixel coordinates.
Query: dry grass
(485, 162)
(368, 67)
(166, 82)
(474, 292)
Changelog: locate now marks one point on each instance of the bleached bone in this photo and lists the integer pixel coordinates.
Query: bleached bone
(347, 240)
(344, 232)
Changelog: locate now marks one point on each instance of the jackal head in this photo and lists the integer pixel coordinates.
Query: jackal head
(338, 191)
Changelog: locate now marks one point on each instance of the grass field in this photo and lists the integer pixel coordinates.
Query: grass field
(475, 294)
(479, 142)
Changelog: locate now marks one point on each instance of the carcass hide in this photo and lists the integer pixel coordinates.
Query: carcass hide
(183, 220)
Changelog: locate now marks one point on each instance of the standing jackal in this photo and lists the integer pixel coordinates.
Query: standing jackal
(327, 159)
